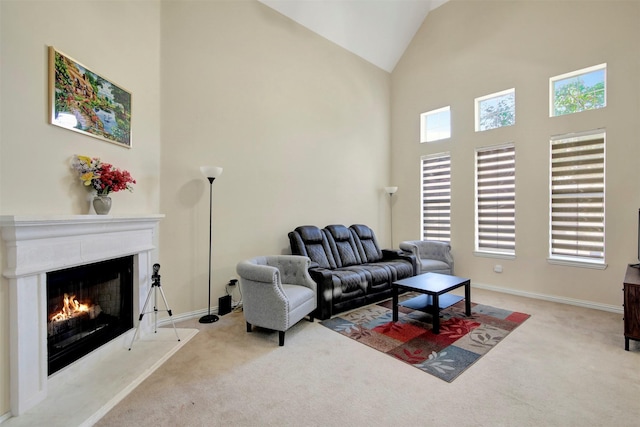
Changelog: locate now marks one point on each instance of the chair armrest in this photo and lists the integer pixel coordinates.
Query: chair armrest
(429, 249)
(257, 273)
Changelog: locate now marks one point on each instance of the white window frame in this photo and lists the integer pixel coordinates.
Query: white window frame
(587, 178)
(434, 126)
(435, 197)
(573, 74)
(495, 201)
(482, 99)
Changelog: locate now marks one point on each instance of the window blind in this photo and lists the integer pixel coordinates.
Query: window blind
(577, 197)
(496, 199)
(436, 197)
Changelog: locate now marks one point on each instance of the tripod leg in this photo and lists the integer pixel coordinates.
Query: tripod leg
(155, 309)
(169, 311)
(142, 313)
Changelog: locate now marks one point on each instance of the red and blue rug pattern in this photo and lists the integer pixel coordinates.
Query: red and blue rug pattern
(462, 340)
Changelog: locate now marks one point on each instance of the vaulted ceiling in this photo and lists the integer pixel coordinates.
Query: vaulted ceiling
(376, 30)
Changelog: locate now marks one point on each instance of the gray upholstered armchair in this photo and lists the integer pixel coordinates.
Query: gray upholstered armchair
(277, 291)
(433, 256)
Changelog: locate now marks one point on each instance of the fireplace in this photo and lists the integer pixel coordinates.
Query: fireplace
(37, 249)
(87, 306)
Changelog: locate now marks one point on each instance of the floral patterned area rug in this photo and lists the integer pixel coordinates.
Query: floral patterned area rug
(461, 342)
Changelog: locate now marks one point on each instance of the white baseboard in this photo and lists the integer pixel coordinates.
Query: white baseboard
(552, 298)
(166, 321)
(535, 295)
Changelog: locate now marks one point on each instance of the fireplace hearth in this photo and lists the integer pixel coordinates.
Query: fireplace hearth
(88, 306)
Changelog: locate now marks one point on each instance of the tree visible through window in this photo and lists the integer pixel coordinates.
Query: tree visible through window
(579, 91)
(496, 110)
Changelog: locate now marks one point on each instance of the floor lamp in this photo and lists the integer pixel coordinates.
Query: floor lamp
(211, 173)
(390, 191)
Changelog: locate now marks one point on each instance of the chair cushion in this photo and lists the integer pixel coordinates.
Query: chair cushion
(432, 265)
(297, 295)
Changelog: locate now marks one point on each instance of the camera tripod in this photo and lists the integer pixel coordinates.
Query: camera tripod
(155, 287)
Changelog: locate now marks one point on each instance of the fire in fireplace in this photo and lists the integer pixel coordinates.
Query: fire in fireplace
(87, 306)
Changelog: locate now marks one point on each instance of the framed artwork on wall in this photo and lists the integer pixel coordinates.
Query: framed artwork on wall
(85, 102)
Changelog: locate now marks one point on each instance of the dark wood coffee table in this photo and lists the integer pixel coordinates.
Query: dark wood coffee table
(432, 285)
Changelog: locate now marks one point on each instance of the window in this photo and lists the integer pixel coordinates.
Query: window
(435, 125)
(577, 198)
(436, 197)
(496, 110)
(578, 91)
(496, 199)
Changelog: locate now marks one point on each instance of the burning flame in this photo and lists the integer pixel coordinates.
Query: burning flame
(71, 308)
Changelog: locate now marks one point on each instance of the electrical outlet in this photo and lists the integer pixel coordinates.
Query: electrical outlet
(497, 268)
(233, 281)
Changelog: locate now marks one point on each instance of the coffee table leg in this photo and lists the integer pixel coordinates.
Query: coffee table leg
(394, 292)
(436, 314)
(467, 298)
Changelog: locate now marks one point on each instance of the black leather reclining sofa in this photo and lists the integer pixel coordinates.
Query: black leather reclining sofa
(348, 266)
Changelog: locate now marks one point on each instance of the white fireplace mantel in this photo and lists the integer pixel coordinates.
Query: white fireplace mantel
(35, 245)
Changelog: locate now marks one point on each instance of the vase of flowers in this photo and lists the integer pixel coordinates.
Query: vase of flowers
(103, 178)
(102, 204)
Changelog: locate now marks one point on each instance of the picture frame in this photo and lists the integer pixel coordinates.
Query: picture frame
(86, 102)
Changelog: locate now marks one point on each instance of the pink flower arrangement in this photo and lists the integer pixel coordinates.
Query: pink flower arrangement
(102, 177)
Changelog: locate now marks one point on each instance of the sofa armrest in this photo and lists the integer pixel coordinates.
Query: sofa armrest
(391, 253)
(324, 288)
(388, 254)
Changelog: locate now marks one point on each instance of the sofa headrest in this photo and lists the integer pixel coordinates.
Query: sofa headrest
(339, 232)
(310, 233)
(362, 231)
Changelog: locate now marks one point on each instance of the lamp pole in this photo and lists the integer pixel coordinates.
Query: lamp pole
(391, 191)
(211, 172)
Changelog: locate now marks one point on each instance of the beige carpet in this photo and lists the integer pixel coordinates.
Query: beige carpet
(565, 366)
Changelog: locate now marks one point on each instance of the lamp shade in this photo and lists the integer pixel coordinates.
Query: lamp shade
(390, 190)
(211, 171)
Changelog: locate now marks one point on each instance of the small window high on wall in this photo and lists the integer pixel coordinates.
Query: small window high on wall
(435, 125)
(578, 91)
(496, 110)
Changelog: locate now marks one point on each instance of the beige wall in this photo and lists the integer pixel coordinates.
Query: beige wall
(469, 49)
(300, 126)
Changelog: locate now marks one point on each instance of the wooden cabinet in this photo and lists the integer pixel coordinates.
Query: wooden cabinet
(631, 306)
